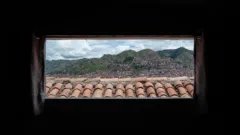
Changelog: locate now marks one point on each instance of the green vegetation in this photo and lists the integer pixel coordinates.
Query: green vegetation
(136, 61)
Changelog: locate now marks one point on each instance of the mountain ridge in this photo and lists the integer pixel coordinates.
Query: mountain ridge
(126, 63)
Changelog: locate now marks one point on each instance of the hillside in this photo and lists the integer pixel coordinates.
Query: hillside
(174, 62)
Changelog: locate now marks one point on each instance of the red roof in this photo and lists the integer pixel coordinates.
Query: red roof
(142, 87)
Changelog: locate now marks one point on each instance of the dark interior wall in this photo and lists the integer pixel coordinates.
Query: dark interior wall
(155, 19)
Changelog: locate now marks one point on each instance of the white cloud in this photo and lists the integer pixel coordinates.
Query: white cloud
(77, 49)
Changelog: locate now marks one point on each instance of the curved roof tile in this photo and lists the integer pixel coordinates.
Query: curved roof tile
(140, 87)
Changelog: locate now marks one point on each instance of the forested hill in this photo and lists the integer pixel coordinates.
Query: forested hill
(128, 63)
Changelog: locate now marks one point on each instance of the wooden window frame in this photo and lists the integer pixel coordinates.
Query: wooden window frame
(42, 105)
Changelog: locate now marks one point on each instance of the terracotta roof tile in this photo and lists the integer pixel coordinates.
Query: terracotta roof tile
(189, 87)
(76, 93)
(77, 90)
(88, 86)
(170, 90)
(54, 91)
(48, 87)
(160, 90)
(108, 93)
(139, 79)
(120, 86)
(158, 87)
(87, 91)
(182, 91)
(119, 93)
(109, 86)
(98, 93)
(66, 91)
(138, 85)
(119, 90)
(57, 86)
(68, 86)
(99, 86)
(151, 91)
(148, 84)
(178, 84)
(130, 86)
(140, 91)
(130, 91)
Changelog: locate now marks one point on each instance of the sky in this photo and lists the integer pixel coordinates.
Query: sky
(78, 49)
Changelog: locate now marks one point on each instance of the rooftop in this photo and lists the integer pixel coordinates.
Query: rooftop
(141, 87)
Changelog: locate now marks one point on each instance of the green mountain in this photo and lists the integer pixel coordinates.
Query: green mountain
(126, 63)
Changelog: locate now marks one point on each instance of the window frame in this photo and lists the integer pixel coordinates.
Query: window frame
(72, 105)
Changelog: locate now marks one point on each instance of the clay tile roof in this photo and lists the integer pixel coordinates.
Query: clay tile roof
(88, 86)
(185, 83)
(54, 90)
(98, 93)
(151, 91)
(99, 86)
(108, 93)
(109, 86)
(53, 93)
(170, 90)
(141, 87)
(178, 84)
(180, 88)
(66, 91)
(87, 93)
(119, 93)
(158, 85)
(48, 86)
(75, 93)
(68, 86)
(140, 91)
(148, 84)
(129, 86)
(121, 87)
(161, 92)
(183, 92)
(189, 87)
(57, 86)
(139, 79)
(130, 93)
(168, 85)
(78, 87)
(88, 89)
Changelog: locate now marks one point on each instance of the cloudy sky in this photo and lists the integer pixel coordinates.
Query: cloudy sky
(78, 49)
